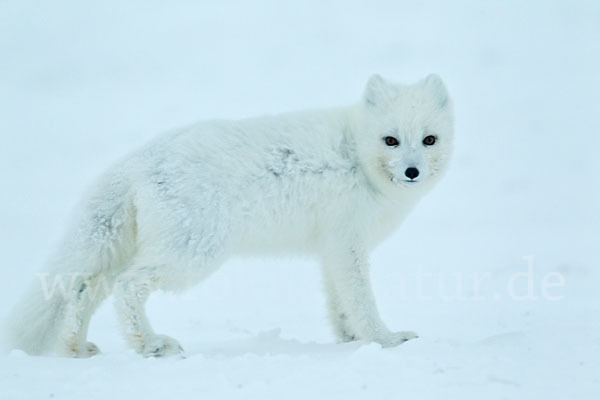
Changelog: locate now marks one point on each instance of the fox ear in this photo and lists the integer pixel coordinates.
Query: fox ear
(434, 85)
(378, 92)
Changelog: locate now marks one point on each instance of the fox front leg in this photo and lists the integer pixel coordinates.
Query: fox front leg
(352, 304)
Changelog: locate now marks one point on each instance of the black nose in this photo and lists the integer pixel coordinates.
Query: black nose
(411, 172)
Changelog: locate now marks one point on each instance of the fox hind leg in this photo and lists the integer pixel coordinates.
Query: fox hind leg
(132, 289)
(85, 296)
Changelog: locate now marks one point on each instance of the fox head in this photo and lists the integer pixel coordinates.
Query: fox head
(405, 132)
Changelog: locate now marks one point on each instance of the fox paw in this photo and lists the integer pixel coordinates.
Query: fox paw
(74, 349)
(90, 349)
(396, 338)
(162, 346)
(347, 337)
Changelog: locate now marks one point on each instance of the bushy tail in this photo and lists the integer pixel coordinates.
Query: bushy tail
(97, 245)
(32, 325)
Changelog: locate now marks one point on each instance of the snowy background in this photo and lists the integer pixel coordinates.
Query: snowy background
(82, 83)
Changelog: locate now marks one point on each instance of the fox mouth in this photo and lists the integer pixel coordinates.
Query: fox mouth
(407, 182)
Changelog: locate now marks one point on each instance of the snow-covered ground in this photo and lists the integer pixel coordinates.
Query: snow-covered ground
(497, 270)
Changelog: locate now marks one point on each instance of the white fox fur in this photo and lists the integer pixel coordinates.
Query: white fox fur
(323, 183)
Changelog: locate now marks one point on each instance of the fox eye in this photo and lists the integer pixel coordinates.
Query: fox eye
(391, 141)
(429, 140)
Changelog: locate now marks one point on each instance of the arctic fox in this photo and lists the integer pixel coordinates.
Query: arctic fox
(328, 183)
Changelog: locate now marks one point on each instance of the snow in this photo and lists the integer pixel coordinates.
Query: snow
(497, 270)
